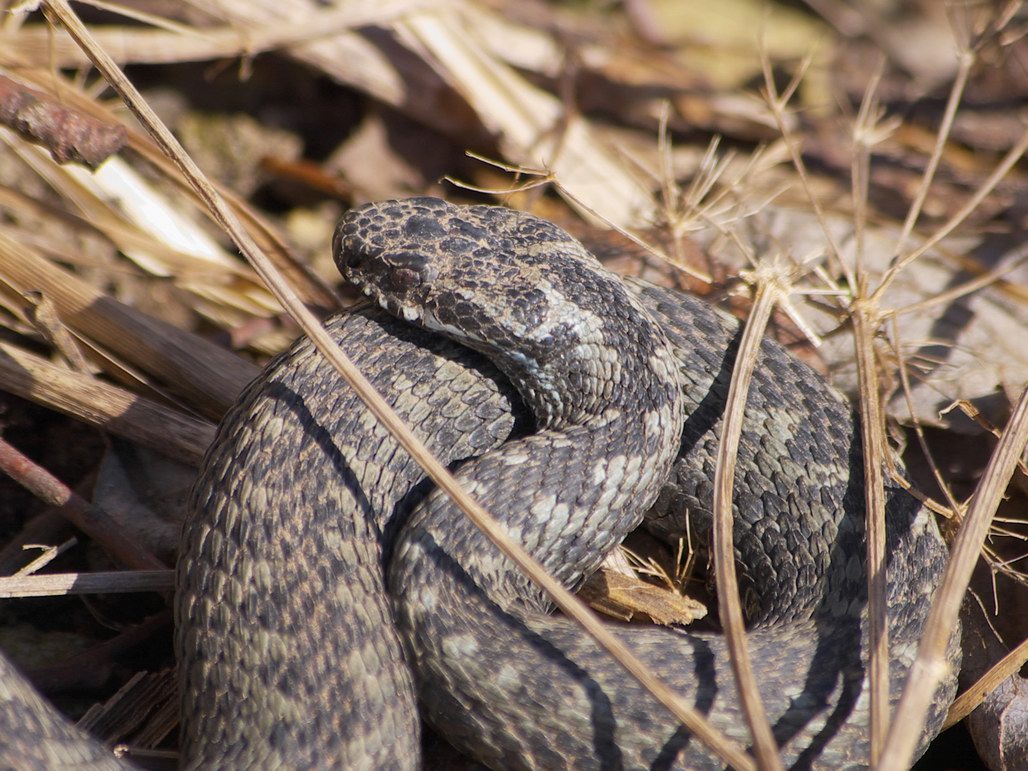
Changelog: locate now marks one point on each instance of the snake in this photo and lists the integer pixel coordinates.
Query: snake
(331, 602)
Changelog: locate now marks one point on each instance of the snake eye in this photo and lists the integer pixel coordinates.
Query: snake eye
(404, 278)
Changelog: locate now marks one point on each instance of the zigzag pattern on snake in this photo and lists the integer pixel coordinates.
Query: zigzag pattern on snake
(314, 610)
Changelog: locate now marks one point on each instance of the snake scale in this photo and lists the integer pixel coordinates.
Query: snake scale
(325, 592)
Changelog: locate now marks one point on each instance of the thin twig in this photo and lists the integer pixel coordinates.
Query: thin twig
(721, 745)
(930, 666)
(115, 582)
(80, 512)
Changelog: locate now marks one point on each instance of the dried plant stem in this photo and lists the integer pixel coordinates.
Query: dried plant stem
(872, 434)
(717, 742)
(967, 59)
(966, 702)
(930, 665)
(766, 749)
(114, 409)
(77, 510)
(864, 317)
(59, 584)
(777, 103)
(1011, 158)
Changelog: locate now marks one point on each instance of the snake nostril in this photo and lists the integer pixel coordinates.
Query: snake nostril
(351, 256)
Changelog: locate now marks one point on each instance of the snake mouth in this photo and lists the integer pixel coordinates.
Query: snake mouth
(409, 313)
(395, 280)
(369, 272)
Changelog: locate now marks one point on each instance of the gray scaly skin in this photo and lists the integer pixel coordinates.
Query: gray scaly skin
(517, 688)
(36, 737)
(288, 650)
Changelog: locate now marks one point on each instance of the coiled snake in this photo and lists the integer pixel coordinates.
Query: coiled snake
(313, 613)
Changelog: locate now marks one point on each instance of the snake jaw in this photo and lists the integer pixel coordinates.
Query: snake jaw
(396, 281)
(407, 312)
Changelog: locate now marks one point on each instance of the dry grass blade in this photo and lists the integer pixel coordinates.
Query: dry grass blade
(966, 702)
(158, 347)
(221, 211)
(872, 430)
(59, 584)
(769, 288)
(930, 664)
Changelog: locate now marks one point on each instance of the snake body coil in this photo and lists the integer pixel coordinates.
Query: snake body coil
(294, 654)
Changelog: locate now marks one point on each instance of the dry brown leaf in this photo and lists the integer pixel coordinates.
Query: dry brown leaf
(614, 594)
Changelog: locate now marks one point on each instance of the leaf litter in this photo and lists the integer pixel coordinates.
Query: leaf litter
(614, 111)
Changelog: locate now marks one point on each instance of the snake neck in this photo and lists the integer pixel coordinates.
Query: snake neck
(610, 418)
(595, 371)
(569, 493)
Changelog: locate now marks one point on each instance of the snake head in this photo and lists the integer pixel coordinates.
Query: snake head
(391, 252)
(506, 283)
(477, 274)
